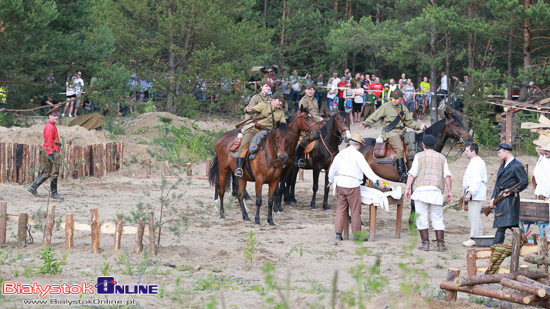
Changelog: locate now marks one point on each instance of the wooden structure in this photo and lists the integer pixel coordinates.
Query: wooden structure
(534, 212)
(70, 226)
(21, 163)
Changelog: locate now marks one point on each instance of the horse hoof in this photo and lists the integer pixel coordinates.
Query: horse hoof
(222, 217)
(313, 209)
(326, 208)
(277, 213)
(291, 203)
(247, 219)
(272, 223)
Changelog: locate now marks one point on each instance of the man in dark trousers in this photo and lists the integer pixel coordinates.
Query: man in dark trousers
(510, 173)
(49, 157)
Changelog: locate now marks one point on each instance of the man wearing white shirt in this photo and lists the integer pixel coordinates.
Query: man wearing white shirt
(541, 175)
(79, 85)
(349, 166)
(474, 185)
(429, 173)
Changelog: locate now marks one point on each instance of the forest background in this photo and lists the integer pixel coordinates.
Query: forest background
(499, 44)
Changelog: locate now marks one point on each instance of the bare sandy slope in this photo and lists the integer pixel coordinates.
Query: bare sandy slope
(301, 246)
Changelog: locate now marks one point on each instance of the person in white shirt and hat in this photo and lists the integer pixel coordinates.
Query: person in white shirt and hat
(349, 166)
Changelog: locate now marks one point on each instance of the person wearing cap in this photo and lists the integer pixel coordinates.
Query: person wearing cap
(510, 173)
(541, 175)
(430, 175)
(260, 97)
(49, 157)
(394, 118)
(346, 172)
(475, 191)
(308, 101)
(265, 115)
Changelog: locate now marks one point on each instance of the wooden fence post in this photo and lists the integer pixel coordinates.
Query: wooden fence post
(152, 247)
(49, 226)
(189, 171)
(94, 224)
(208, 163)
(452, 273)
(471, 264)
(148, 168)
(118, 232)
(22, 230)
(516, 246)
(139, 237)
(543, 251)
(69, 231)
(3, 219)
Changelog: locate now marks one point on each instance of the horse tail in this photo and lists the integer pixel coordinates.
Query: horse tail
(214, 173)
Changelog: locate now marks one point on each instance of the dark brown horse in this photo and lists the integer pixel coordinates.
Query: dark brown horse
(265, 168)
(321, 157)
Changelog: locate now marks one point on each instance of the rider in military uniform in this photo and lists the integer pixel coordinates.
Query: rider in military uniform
(308, 101)
(265, 115)
(260, 97)
(394, 118)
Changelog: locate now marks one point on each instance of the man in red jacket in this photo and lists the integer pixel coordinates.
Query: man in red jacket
(49, 157)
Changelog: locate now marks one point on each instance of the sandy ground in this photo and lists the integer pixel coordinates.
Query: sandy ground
(301, 246)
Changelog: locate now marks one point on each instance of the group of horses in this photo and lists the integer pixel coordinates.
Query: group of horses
(274, 162)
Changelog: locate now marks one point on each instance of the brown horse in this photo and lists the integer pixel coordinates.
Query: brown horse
(264, 168)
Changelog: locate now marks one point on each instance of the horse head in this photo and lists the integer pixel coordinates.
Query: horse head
(307, 123)
(454, 128)
(280, 141)
(343, 124)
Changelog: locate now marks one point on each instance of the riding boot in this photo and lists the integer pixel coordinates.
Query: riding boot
(53, 189)
(425, 238)
(401, 170)
(440, 237)
(299, 162)
(499, 238)
(239, 169)
(32, 189)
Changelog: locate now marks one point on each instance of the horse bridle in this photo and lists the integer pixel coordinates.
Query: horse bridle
(309, 132)
(456, 142)
(341, 138)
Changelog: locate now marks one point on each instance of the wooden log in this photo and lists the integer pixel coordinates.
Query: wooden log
(22, 230)
(537, 259)
(94, 224)
(87, 152)
(2, 159)
(118, 232)
(103, 160)
(108, 154)
(152, 246)
(48, 228)
(523, 287)
(452, 274)
(148, 168)
(545, 303)
(69, 231)
(482, 279)
(3, 221)
(189, 170)
(534, 283)
(523, 267)
(208, 163)
(484, 291)
(120, 155)
(471, 265)
(543, 251)
(516, 245)
(139, 237)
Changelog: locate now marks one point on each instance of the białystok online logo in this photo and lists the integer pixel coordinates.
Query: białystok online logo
(104, 285)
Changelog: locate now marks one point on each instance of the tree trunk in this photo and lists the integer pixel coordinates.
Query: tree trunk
(526, 55)
(471, 43)
(433, 79)
(523, 287)
(510, 88)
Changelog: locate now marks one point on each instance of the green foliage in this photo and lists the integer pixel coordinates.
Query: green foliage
(251, 250)
(216, 283)
(166, 120)
(112, 124)
(51, 265)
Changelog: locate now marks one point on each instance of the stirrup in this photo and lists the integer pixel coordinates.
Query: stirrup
(239, 172)
(300, 163)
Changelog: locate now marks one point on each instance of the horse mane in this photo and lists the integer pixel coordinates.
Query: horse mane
(324, 129)
(283, 128)
(289, 119)
(436, 127)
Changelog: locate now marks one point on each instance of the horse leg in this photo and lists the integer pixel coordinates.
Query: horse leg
(271, 193)
(223, 179)
(246, 196)
(412, 217)
(292, 188)
(277, 196)
(240, 196)
(258, 201)
(327, 190)
(315, 187)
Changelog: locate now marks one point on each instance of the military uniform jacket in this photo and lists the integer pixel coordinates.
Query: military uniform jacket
(507, 177)
(263, 110)
(312, 106)
(257, 99)
(386, 114)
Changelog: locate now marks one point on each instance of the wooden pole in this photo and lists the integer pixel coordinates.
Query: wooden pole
(189, 171)
(139, 237)
(69, 231)
(516, 246)
(152, 246)
(534, 283)
(452, 274)
(484, 291)
(22, 230)
(482, 279)
(148, 168)
(208, 164)
(3, 219)
(118, 232)
(509, 124)
(523, 287)
(471, 264)
(49, 226)
(543, 251)
(94, 224)
(301, 175)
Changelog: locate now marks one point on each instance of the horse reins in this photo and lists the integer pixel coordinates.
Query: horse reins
(460, 141)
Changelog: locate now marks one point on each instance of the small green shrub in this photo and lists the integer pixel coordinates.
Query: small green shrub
(251, 250)
(51, 264)
(166, 120)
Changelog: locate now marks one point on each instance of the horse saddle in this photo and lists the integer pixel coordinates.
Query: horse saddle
(385, 154)
(308, 149)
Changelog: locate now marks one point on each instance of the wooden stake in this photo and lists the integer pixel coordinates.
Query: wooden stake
(3, 220)
(69, 231)
(148, 168)
(471, 264)
(152, 246)
(516, 246)
(523, 287)
(49, 226)
(208, 164)
(118, 232)
(94, 224)
(482, 279)
(139, 237)
(452, 274)
(22, 230)
(189, 171)
(543, 251)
